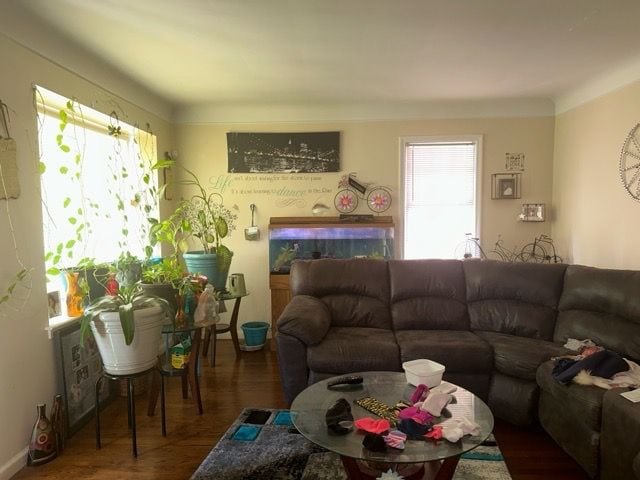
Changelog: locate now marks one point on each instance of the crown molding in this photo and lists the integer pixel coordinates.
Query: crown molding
(360, 111)
(599, 86)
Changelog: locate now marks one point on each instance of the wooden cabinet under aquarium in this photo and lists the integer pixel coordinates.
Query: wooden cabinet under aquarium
(310, 238)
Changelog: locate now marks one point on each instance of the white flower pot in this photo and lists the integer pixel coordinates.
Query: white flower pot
(122, 359)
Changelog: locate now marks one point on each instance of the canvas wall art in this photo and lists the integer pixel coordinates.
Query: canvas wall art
(309, 152)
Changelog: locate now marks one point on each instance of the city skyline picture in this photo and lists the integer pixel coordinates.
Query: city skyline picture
(308, 152)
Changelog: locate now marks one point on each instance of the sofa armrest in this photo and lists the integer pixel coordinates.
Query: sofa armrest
(619, 437)
(306, 318)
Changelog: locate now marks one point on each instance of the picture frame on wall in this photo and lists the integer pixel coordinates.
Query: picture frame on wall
(54, 308)
(275, 152)
(505, 186)
(78, 368)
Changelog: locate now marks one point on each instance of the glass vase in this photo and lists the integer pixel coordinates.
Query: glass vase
(42, 447)
(74, 295)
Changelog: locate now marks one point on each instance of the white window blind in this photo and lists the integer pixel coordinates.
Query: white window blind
(440, 196)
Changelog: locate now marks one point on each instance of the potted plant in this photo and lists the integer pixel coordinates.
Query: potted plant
(127, 328)
(205, 218)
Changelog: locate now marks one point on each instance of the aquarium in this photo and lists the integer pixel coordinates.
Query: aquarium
(314, 241)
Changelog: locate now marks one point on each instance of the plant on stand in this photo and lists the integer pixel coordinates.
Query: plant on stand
(205, 218)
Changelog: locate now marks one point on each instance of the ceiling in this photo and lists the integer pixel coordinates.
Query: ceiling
(194, 52)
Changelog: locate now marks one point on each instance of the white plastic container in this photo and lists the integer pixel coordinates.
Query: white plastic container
(423, 371)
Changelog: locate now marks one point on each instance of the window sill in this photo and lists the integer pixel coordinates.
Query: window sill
(61, 321)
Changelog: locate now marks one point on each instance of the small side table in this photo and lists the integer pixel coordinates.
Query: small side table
(222, 327)
(131, 405)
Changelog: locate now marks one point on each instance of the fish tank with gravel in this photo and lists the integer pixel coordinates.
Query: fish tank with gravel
(309, 238)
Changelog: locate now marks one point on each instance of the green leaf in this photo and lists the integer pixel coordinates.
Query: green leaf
(70, 243)
(148, 251)
(48, 256)
(63, 126)
(53, 271)
(79, 211)
(59, 248)
(56, 259)
(127, 322)
(65, 148)
(164, 163)
(66, 202)
(63, 115)
(59, 138)
(63, 170)
(78, 158)
(221, 227)
(146, 178)
(41, 168)
(73, 220)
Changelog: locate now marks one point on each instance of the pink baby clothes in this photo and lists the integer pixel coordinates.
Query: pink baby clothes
(372, 425)
(419, 393)
(435, 402)
(414, 413)
(454, 429)
(435, 433)
(395, 439)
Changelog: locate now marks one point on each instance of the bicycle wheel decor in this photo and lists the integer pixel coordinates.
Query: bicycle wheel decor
(345, 201)
(533, 253)
(630, 163)
(379, 200)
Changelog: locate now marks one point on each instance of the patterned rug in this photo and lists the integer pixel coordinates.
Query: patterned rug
(263, 445)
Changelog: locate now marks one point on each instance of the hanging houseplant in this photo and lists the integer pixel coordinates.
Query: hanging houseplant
(127, 328)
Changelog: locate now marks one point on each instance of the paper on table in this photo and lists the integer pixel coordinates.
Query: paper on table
(633, 395)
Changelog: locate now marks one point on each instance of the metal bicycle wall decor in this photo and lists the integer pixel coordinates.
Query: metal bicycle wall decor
(378, 198)
(630, 163)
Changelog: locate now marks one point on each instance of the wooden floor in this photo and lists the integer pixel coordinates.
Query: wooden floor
(252, 381)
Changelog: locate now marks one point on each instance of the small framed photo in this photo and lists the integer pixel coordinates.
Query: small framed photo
(514, 162)
(505, 186)
(532, 212)
(53, 304)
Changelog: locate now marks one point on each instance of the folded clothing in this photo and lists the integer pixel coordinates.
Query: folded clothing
(454, 429)
(395, 439)
(603, 364)
(435, 403)
(372, 425)
(339, 418)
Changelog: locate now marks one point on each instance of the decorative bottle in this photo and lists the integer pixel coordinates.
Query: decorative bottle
(112, 286)
(57, 421)
(42, 447)
(74, 295)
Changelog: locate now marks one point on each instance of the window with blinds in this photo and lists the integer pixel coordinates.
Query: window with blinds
(440, 195)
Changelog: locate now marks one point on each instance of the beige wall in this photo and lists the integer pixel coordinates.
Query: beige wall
(597, 221)
(372, 150)
(27, 373)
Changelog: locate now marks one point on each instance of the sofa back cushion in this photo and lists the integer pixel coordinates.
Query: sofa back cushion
(428, 295)
(603, 305)
(356, 291)
(516, 298)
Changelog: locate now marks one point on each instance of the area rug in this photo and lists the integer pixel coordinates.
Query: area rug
(262, 444)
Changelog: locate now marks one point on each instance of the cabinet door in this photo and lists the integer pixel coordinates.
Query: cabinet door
(280, 298)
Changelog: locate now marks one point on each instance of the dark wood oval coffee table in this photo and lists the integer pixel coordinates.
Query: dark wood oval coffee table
(419, 459)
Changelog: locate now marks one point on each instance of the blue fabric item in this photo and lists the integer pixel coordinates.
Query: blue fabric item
(603, 364)
(414, 430)
(283, 418)
(246, 433)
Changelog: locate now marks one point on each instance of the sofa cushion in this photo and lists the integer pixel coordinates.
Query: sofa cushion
(355, 291)
(579, 401)
(428, 294)
(458, 351)
(513, 399)
(520, 357)
(355, 349)
(516, 298)
(602, 305)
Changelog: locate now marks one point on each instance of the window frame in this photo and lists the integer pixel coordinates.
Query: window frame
(404, 141)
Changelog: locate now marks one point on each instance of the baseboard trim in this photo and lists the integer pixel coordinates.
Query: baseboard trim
(14, 465)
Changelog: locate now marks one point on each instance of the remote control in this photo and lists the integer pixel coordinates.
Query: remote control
(350, 380)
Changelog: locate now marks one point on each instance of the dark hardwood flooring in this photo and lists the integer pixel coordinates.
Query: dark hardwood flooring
(232, 385)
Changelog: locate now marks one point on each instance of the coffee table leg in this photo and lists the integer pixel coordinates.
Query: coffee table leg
(448, 468)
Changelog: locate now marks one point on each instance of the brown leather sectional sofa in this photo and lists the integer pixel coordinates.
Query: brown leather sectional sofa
(494, 326)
